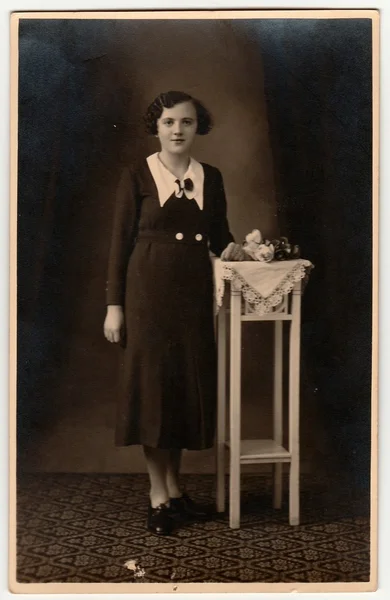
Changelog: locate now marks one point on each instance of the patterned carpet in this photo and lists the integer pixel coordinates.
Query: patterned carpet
(84, 528)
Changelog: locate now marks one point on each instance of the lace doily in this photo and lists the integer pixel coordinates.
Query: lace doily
(262, 298)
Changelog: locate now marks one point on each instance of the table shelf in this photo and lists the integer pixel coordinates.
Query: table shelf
(262, 451)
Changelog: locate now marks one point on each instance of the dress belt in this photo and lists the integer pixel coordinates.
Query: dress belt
(168, 237)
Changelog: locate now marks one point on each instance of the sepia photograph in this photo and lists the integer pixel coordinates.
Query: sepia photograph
(194, 240)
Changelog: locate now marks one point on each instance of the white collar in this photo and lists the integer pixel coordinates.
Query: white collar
(166, 182)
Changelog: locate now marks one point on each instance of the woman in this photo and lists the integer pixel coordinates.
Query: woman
(170, 212)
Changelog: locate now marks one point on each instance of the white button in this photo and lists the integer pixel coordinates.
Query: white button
(179, 236)
(199, 237)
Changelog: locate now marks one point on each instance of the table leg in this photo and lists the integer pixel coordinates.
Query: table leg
(278, 409)
(235, 407)
(294, 387)
(221, 419)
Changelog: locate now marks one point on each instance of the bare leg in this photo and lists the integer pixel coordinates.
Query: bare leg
(157, 465)
(172, 474)
(182, 506)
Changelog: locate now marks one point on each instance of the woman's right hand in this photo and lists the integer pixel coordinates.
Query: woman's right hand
(114, 323)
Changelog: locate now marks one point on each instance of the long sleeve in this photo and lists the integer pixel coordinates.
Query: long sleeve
(124, 232)
(220, 235)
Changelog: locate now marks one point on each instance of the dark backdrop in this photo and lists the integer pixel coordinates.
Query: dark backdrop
(319, 95)
(294, 145)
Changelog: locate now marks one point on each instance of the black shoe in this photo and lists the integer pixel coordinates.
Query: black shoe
(160, 520)
(185, 509)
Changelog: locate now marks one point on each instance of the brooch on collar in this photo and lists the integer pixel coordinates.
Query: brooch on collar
(187, 186)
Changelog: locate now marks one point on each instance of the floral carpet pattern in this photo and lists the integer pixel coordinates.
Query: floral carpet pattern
(84, 528)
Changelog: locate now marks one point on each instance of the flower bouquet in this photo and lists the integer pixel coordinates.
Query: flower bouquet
(265, 250)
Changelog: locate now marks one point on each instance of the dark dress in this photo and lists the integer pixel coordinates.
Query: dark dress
(168, 389)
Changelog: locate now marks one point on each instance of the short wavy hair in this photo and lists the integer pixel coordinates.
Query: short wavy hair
(169, 100)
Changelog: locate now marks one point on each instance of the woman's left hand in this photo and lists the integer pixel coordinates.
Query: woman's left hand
(234, 252)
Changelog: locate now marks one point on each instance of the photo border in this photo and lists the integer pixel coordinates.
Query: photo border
(142, 588)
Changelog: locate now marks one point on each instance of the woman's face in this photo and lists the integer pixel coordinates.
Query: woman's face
(176, 128)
